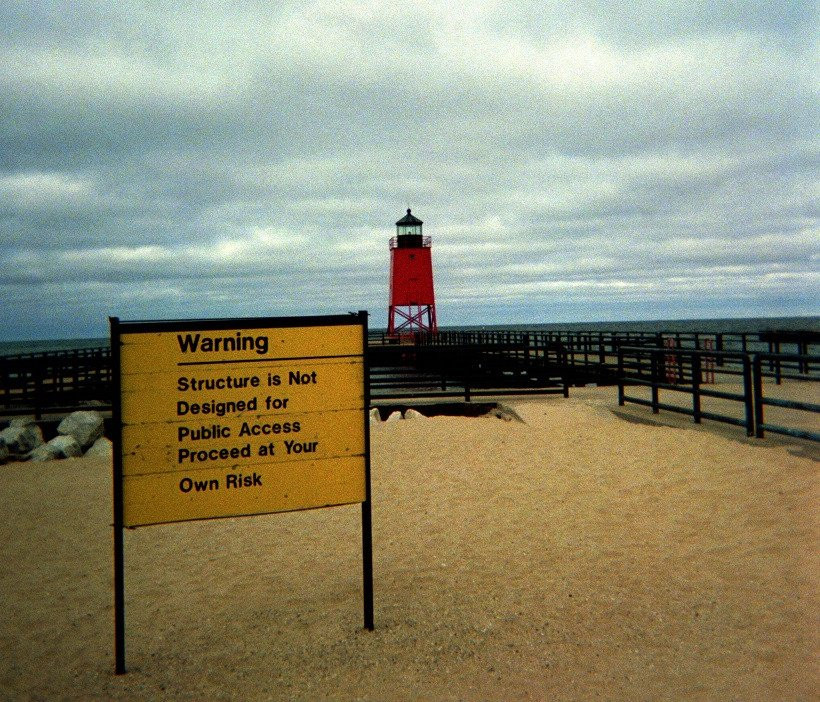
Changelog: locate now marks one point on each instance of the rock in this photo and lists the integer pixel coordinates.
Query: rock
(59, 447)
(101, 448)
(21, 440)
(66, 446)
(394, 416)
(23, 421)
(413, 414)
(42, 453)
(375, 417)
(86, 426)
(4, 452)
(508, 414)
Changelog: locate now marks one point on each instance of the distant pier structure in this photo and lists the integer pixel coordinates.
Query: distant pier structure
(412, 306)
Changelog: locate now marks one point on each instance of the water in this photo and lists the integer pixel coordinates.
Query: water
(8, 348)
(751, 324)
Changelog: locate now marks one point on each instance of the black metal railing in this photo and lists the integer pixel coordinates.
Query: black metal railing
(760, 400)
(682, 371)
(55, 380)
(450, 364)
(474, 361)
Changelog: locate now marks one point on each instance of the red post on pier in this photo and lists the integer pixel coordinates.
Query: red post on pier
(708, 364)
(672, 362)
(412, 300)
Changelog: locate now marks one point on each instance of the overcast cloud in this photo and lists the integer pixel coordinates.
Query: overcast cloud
(572, 161)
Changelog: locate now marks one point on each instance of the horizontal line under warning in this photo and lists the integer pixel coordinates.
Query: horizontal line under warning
(267, 360)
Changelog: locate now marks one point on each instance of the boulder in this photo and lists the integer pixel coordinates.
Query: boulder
(413, 414)
(375, 417)
(21, 440)
(4, 452)
(42, 453)
(86, 426)
(394, 416)
(59, 447)
(22, 421)
(101, 448)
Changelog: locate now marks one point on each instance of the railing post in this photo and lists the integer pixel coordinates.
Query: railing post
(527, 352)
(654, 371)
(748, 395)
(758, 396)
(75, 375)
(777, 378)
(696, 387)
(38, 388)
(469, 365)
(565, 372)
(620, 377)
(6, 384)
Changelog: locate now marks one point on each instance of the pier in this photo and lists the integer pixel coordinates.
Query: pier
(693, 367)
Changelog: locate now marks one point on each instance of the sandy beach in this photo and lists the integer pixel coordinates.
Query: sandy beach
(578, 554)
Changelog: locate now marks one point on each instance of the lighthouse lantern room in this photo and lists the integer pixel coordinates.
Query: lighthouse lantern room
(412, 300)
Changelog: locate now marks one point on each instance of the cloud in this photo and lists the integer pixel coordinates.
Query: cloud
(37, 193)
(587, 160)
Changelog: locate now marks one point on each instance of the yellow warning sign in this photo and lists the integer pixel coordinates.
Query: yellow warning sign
(227, 419)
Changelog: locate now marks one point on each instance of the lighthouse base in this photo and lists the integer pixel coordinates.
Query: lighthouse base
(409, 319)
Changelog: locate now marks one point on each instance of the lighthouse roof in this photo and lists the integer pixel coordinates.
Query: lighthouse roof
(409, 219)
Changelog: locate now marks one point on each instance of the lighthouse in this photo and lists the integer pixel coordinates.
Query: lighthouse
(412, 301)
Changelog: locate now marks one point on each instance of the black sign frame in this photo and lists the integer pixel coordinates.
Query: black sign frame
(118, 327)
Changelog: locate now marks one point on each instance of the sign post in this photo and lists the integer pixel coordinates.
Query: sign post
(236, 417)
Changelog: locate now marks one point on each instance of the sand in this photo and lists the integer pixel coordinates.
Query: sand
(577, 555)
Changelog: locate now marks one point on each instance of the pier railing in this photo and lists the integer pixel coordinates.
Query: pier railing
(475, 362)
(761, 401)
(597, 351)
(55, 380)
(681, 371)
(593, 355)
(449, 364)
(686, 372)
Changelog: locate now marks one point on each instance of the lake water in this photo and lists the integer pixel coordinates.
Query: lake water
(8, 348)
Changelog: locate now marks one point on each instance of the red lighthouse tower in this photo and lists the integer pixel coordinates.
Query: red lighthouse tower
(412, 301)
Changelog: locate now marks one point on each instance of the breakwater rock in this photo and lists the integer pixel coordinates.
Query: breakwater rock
(80, 432)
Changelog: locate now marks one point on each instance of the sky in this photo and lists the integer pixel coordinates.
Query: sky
(581, 161)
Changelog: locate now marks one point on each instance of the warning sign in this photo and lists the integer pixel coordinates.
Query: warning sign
(224, 418)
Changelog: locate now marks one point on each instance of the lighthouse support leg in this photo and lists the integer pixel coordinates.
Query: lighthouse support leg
(422, 318)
